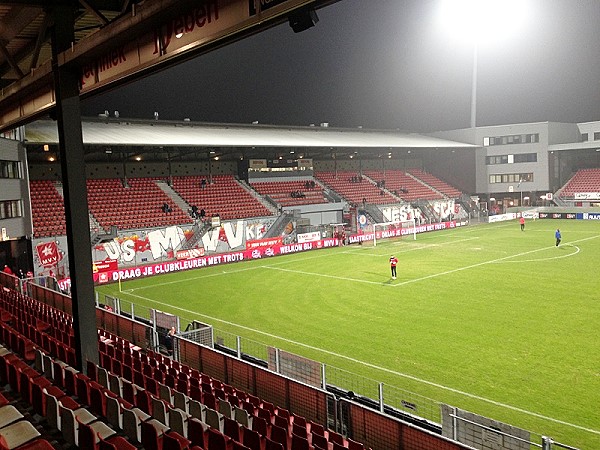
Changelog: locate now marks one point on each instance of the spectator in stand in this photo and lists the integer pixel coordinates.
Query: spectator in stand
(202, 213)
(203, 183)
(169, 340)
(7, 270)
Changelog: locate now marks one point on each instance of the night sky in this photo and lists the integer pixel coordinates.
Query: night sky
(384, 64)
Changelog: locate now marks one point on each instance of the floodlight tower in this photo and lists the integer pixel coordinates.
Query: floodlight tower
(480, 22)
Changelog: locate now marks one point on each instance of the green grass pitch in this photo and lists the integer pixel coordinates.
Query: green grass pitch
(487, 318)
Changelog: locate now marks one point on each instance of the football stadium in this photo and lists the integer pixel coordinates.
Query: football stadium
(178, 284)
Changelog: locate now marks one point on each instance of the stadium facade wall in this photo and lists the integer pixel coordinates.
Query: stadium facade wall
(15, 189)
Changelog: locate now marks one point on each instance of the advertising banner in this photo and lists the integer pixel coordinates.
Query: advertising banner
(257, 251)
(214, 260)
(309, 237)
(588, 216)
(402, 231)
(545, 215)
(263, 242)
(48, 254)
(587, 195)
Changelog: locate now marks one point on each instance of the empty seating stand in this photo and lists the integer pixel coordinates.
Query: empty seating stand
(355, 188)
(281, 192)
(221, 195)
(435, 183)
(139, 205)
(48, 209)
(132, 398)
(584, 181)
(405, 186)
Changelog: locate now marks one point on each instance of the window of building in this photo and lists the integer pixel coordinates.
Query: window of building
(10, 169)
(10, 209)
(511, 178)
(584, 137)
(509, 159)
(525, 157)
(513, 139)
(597, 135)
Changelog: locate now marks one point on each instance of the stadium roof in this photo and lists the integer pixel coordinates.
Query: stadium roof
(115, 132)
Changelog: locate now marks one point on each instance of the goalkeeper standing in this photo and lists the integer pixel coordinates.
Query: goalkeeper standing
(393, 264)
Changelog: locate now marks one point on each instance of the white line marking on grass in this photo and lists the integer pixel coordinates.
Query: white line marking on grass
(312, 274)
(216, 274)
(208, 275)
(568, 255)
(373, 366)
(415, 247)
(483, 263)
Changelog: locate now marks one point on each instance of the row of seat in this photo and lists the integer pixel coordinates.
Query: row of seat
(180, 381)
(174, 408)
(585, 180)
(15, 431)
(354, 192)
(405, 186)
(20, 325)
(193, 392)
(47, 208)
(436, 183)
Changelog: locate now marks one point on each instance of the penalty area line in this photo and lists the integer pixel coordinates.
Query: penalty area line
(483, 263)
(373, 366)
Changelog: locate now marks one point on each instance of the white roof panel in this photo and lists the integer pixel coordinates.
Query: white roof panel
(193, 134)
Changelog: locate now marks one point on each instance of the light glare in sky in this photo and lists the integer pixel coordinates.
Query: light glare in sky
(483, 21)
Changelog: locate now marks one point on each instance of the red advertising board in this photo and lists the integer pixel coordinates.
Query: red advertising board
(251, 244)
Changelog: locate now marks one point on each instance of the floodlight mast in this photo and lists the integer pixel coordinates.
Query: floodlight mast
(474, 87)
(478, 22)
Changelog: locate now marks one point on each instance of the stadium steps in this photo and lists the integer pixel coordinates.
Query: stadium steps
(374, 212)
(270, 206)
(279, 225)
(384, 189)
(164, 186)
(95, 226)
(425, 184)
(198, 231)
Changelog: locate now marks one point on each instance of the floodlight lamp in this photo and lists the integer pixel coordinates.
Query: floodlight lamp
(482, 21)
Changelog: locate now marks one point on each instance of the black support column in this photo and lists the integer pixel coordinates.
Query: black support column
(68, 114)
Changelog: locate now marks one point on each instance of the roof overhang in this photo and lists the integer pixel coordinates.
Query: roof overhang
(193, 134)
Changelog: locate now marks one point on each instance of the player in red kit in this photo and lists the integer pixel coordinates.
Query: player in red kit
(393, 264)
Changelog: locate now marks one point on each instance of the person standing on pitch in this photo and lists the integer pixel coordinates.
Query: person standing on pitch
(522, 222)
(557, 236)
(393, 264)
